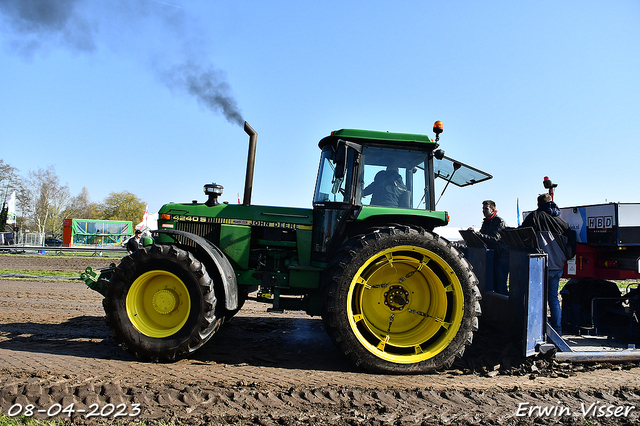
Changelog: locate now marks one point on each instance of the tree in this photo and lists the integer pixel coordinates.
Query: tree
(81, 207)
(9, 180)
(43, 200)
(3, 217)
(122, 206)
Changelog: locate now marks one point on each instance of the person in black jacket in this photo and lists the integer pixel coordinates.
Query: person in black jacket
(488, 233)
(491, 224)
(553, 234)
(387, 188)
(546, 217)
(134, 242)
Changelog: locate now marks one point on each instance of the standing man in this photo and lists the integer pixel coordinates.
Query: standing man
(553, 237)
(488, 233)
(134, 243)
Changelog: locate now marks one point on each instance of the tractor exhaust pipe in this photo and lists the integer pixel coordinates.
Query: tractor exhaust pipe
(251, 159)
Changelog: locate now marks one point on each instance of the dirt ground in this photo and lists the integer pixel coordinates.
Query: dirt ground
(57, 360)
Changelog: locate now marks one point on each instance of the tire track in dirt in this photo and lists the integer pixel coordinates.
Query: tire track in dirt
(261, 368)
(191, 404)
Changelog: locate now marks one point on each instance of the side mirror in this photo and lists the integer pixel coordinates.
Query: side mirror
(341, 161)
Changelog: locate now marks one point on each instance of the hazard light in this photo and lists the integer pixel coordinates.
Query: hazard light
(437, 129)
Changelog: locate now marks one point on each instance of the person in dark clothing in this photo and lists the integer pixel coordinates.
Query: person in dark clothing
(546, 217)
(553, 234)
(488, 233)
(134, 242)
(491, 224)
(386, 189)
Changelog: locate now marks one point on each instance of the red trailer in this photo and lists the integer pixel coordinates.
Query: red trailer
(602, 295)
(608, 241)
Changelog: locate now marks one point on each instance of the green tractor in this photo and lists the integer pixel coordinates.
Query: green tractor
(394, 296)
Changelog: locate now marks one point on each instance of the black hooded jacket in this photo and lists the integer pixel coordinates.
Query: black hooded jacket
(547, 218)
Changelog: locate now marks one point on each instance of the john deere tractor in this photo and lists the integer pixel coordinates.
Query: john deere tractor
(393, 295)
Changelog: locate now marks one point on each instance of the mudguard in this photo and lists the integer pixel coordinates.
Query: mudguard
(217, 257)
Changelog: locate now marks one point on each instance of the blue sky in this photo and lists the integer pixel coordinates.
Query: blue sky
(525, 90)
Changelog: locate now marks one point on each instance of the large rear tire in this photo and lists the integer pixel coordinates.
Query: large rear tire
(400, 300)
(160, 303)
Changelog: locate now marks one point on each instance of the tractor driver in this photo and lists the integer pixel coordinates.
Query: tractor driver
(386, 189)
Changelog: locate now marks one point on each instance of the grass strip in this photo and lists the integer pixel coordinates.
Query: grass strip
(39, 273)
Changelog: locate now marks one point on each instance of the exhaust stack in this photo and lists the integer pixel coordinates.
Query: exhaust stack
(251, 159)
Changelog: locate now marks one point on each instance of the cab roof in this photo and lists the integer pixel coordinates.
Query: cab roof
(372, 136)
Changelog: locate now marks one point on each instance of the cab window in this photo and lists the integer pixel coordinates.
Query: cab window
(395, 178)
(331, 185)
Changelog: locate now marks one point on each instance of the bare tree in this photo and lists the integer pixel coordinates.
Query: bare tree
(81, 207)
(43, 200)
(9, 180)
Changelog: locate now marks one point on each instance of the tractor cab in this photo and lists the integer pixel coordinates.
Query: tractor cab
(367, 177)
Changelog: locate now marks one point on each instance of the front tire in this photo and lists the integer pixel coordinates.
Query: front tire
(160, 303)
(400, 300)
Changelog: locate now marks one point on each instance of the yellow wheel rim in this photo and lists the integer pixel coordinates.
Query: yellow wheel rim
(405, 304)
(158, 304)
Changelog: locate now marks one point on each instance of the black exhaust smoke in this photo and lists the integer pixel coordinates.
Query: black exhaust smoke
(83, 26)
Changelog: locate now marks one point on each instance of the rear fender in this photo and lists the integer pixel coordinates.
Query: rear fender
(215, 257)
